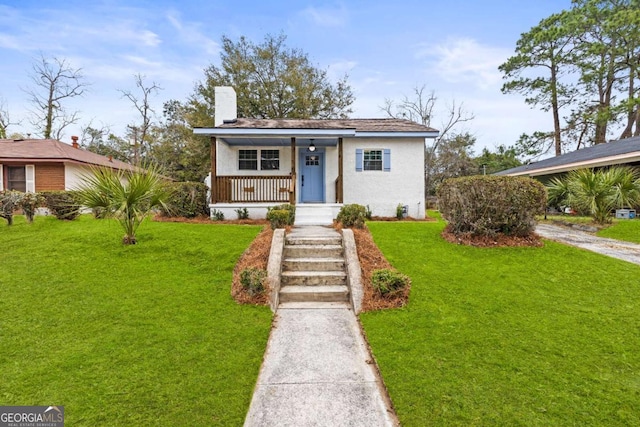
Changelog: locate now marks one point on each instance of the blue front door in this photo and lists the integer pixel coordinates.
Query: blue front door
(312, 177)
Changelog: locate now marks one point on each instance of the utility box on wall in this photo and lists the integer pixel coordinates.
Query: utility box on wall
(625, 213)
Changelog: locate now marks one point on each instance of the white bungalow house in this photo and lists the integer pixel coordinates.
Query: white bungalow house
(318, 165)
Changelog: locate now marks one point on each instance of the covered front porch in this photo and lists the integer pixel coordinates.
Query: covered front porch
(257, 170)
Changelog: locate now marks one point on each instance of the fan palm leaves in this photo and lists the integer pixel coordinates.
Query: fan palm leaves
(127, 196)
(597, 192)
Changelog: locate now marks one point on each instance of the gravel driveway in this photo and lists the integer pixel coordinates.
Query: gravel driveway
(614, 248)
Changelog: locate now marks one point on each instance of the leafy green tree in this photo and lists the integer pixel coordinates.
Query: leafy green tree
(597, 192)
(128, 196)
(545, 50)
(453, 159)
(501, 159)
(272, 81)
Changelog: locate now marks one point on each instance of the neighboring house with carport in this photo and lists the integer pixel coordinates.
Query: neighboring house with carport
(318, 165)
(35, 165)
(623, 152)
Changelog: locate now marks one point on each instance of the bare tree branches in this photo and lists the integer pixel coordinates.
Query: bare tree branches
(54, 81)
(139, 132)
(5, 119)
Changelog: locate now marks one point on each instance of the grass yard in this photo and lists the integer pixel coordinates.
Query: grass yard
(127, 335)
(508, 336)
(627, 230)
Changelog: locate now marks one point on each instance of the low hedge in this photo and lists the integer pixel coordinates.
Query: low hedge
(188, 200)
(282, 215)
(487, 205)
(353, 215)
(62, 204)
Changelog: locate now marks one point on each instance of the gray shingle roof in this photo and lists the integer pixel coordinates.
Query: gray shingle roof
(360, 125)
(583, 158)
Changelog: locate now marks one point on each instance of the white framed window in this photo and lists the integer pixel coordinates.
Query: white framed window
(269, 160)
(248, 160)
(373, 159)
(17, 178)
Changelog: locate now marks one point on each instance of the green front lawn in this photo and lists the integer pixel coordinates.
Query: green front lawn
(508, 336)
(127, 335)
(627, 230)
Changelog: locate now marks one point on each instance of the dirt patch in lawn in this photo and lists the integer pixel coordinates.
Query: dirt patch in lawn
(498, 240)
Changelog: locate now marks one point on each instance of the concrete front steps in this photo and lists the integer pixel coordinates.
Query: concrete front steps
(315, 214)
(313, 268)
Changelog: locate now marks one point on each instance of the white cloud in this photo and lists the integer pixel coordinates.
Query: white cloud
(191, 33)
(465, 60)
(337, 16)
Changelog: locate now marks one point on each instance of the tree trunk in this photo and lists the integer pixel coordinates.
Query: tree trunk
(555, 108)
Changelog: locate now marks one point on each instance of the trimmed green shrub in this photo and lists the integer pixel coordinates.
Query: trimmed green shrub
(29, 203)
(9, 202)
(188, 200)
(278, 218)
(281, 215)
(63, 204)
(252, 280)
(400, 211)
(387, 281)
(488, 205)
(217, 215)
(243, 213)
(352, 215)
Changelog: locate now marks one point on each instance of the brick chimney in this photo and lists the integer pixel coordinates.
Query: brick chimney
(74, 142)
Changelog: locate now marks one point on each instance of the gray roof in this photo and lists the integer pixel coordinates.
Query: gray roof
(611, 153)
(360, 125)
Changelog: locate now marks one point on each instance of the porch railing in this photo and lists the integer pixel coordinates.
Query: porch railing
(239, 189)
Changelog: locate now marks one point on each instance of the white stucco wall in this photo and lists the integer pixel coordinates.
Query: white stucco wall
(383, 191)
(73, 175)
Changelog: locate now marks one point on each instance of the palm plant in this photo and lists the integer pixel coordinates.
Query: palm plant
(597, 192)
(127, 196)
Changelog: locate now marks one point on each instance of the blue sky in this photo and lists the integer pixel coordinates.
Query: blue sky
(386, 48)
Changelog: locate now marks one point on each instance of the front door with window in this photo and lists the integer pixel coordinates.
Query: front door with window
(311, 177)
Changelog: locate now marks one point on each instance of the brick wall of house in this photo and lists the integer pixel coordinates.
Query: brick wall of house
(49, 177)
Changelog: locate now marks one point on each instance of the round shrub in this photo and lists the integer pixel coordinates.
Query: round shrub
(29, 203)
(387, 281)
(352, 215)
(281, 215)
(252, 280)
(188, 200)
(488, 205)
(9, 202)
(63, 204)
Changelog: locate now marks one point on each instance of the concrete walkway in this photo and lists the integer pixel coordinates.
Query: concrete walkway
(614, 248)
(317, 371)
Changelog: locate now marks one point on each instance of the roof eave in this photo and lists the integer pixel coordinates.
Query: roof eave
(606, 161)
(273, 133)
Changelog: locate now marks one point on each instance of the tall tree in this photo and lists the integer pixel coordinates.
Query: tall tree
(139, 131)
(54, 82)
(454, 159)
(548, 49)
(273, 81)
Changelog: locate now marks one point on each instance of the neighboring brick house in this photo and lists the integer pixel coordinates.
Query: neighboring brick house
(34, 165)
